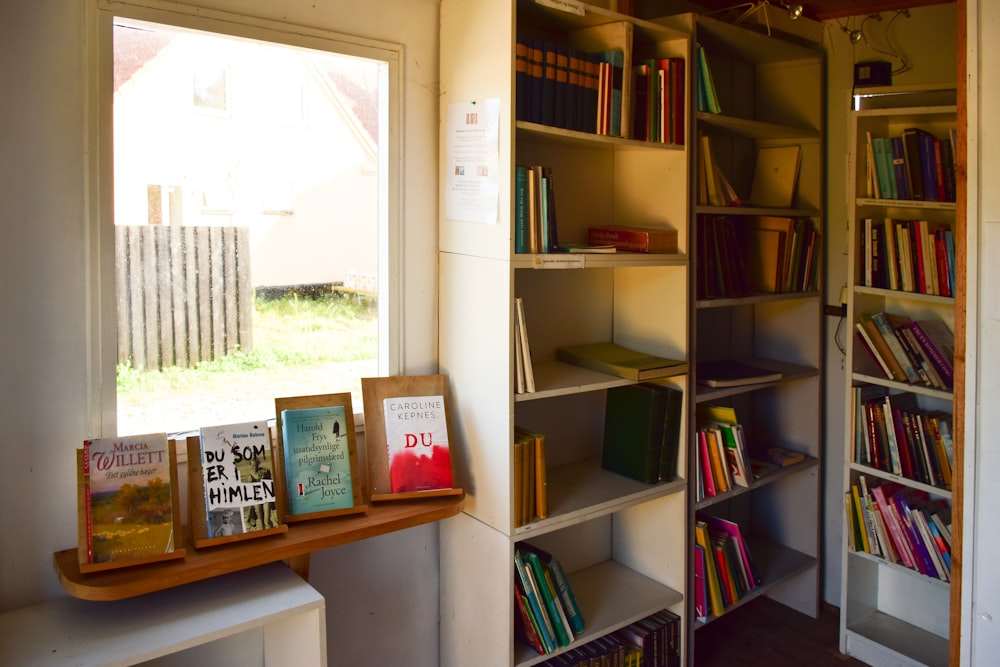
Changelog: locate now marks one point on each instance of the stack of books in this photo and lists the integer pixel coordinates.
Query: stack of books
(547, 615)
(902, 525)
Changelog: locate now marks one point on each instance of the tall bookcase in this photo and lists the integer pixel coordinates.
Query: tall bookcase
(623, 543)
(770, 92)
(891, 614)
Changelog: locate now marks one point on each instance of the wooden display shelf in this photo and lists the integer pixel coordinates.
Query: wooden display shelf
(295, 546)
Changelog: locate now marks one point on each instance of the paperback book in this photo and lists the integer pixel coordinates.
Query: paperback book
(237, 480)
(317, 465)
(416, 433)
(129, 499)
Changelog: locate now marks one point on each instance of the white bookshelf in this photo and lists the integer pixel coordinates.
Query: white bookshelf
(623, 543)
(890, 614)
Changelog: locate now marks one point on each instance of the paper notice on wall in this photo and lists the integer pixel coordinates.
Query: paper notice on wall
(472, 188)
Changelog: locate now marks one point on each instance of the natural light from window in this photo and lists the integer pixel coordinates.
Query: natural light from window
(247, 225)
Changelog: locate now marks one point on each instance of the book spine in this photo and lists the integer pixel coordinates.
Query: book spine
(911, 150)
(927, 169)
(521, 209)
(87, 507)
(888, 333)
(941, 365)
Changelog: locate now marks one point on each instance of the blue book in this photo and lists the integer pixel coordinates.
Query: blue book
(520, 209)
(317, 459)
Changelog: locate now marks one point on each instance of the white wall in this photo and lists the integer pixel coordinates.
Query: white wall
(981, 580)
(383, 602)
(933, 25)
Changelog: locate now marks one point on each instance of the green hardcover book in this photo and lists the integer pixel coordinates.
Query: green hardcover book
(615, 359)
(670, 443)
(634, 419)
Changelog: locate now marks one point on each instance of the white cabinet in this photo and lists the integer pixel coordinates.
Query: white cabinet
(263, 616)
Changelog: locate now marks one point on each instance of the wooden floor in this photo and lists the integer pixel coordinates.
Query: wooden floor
(764, 633)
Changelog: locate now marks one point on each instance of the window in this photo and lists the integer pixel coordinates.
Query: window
(255, 267)
(210, 89)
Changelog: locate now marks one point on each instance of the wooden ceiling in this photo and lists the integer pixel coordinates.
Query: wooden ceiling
(820, 9)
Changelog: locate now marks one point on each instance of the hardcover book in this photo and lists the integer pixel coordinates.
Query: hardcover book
(732, 373)
(635, 426)
(634, 239)
(615, 359)
(234, 493)
(129, 506)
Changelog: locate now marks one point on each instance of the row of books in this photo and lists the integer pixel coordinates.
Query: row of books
(724, 460)
(914, 165)
(766, 254)
(563, 86)
(893, 433)
(775, 177)
(919, 352)
(658, 100)
(724, 571)
(547, 616)
(909, 255)
(902, 525)
(530, 490)
(653, 641)
(642, 431)
(535, 227)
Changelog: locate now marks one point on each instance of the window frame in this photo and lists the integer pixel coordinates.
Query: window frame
(102, 306)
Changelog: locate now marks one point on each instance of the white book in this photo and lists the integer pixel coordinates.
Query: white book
(529, 373)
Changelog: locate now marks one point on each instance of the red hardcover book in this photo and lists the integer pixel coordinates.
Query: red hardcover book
(634, 239)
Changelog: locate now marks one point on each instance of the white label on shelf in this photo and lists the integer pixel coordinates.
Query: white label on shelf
(567, 261)
(564, 5)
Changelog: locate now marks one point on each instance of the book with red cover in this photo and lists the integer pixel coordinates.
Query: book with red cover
(634, 239)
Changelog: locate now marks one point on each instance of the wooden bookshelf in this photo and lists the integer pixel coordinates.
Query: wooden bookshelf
(295, 546)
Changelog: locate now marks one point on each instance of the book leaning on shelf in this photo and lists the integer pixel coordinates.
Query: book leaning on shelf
(550, 616)
(129, 503)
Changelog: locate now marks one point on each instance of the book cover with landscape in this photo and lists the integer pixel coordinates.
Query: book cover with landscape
(237, 473)
(317, 463)
(128, 494)
(416, 432)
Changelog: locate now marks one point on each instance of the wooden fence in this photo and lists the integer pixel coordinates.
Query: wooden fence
(184, 294)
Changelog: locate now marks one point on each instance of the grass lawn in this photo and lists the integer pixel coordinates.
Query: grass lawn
(301, 346)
